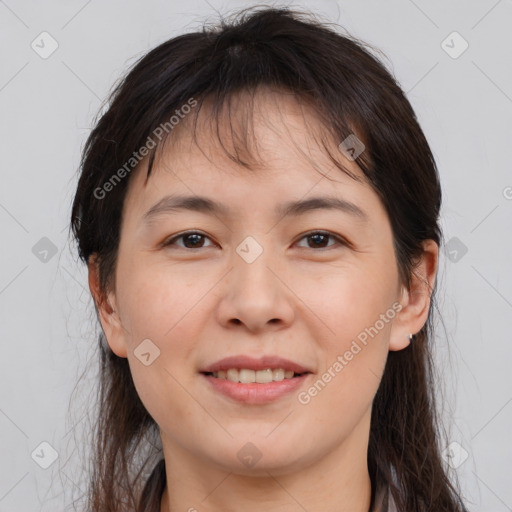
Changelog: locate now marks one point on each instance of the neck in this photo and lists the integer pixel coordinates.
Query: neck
(234, 493)
(337, 481)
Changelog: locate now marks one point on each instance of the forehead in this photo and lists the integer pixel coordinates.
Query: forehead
(280, 139)
(257, 128)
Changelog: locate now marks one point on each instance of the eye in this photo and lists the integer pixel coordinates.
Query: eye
(320, 238)
(192, 240)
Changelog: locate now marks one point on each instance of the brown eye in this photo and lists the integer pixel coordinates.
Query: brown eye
(195, 240)
(191, 240)
(319, 239)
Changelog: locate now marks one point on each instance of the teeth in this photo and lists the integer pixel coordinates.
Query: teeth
(246, 376)
(232, 375)
(278, 374)
(263, 376)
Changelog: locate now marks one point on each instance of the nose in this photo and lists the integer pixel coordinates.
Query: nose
(256, 295)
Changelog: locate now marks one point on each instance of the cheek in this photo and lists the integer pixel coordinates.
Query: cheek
(156, 303)
(164, 396)
(350, 300)
(161, 308)
(357, 308)
(351, 370)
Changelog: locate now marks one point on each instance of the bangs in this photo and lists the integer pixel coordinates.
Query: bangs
(224, 120)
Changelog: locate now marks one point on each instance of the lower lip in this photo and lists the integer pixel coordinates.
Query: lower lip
(255, 393)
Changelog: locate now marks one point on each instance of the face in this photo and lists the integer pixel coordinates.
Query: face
(313, 290)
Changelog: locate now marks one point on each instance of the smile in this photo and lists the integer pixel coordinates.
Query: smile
(252, 392)
(247, 376)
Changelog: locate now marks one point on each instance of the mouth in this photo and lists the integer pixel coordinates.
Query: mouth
(248, 376)
(250, 387)
(248, 380)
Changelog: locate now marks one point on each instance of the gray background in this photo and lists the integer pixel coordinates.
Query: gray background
(47, 332)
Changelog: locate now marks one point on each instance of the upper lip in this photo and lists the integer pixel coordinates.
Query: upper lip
(251, 363)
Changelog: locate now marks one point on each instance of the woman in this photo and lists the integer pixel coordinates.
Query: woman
(258, 208)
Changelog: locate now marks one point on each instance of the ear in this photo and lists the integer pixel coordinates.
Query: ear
(415, 301)
(107, 310)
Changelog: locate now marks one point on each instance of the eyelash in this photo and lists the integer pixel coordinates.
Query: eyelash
(339, 239)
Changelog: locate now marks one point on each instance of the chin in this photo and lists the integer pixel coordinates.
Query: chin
(250, 460)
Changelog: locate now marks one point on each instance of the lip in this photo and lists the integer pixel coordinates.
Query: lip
(255, 393)
(251, 363)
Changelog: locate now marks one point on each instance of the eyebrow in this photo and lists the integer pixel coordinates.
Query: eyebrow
(172, 204)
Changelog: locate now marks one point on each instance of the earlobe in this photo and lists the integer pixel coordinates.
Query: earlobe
(106, 309)
(416, 300)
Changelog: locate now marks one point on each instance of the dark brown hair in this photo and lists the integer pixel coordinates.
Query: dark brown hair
(351, 92)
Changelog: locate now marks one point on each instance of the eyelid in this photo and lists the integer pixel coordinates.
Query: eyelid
(341, 241)
(171, 240)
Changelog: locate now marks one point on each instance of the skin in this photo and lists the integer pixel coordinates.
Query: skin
(299, 299)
